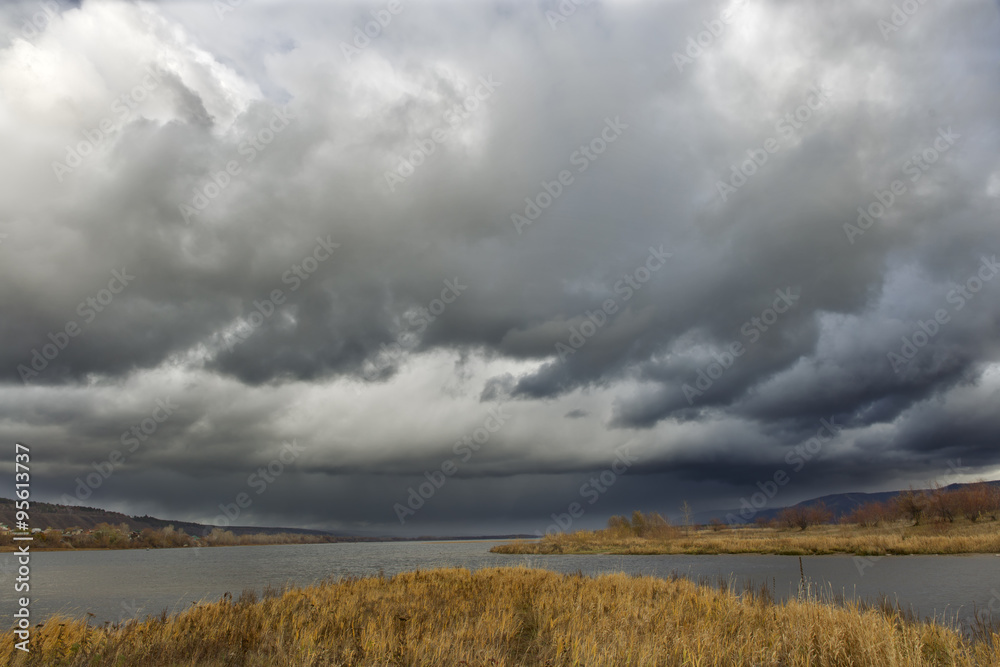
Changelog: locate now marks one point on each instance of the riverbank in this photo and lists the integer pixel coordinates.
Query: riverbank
(506, 617)
(895, 538)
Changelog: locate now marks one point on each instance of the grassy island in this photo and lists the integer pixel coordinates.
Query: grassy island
(891, 539)
(963, 522)
(507, 617)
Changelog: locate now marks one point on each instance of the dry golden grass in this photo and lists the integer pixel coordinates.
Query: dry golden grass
(507, 617)
(892, 538)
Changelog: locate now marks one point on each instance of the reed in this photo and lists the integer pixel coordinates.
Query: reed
(506, 617)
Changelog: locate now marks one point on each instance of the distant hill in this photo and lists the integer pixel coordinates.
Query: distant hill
(62, 517)
(48, 515)
(839, 504)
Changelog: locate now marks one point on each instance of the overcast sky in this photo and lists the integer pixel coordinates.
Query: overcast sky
(442, 275)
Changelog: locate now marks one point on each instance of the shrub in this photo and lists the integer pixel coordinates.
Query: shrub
(871, 514)
(945, 504)
(911, 504)
(978, 501)
(716, 524)
(652, 525)
(618, 526)
(803, 516)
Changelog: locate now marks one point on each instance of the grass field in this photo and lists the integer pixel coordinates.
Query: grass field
(898, 537)
(507, 617)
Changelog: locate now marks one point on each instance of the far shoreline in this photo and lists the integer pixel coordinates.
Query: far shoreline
(367, 540)
(650, 538)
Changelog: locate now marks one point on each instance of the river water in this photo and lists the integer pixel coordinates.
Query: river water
(117, 585)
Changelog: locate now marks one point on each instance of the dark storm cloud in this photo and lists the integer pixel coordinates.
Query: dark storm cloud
(638, 226)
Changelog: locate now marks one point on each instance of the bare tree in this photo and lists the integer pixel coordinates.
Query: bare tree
(686, 512)
(912, 505)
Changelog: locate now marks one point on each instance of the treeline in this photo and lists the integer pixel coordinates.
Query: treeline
(970, 502)
(108, 536)
(654, 525)
(973, 502)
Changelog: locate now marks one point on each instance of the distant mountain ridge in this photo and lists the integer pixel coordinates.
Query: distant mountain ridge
(839, 504)
(63, 517)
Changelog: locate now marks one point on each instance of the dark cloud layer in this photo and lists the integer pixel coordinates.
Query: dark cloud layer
(636, 227)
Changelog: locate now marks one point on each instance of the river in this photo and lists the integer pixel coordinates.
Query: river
(118, 585)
